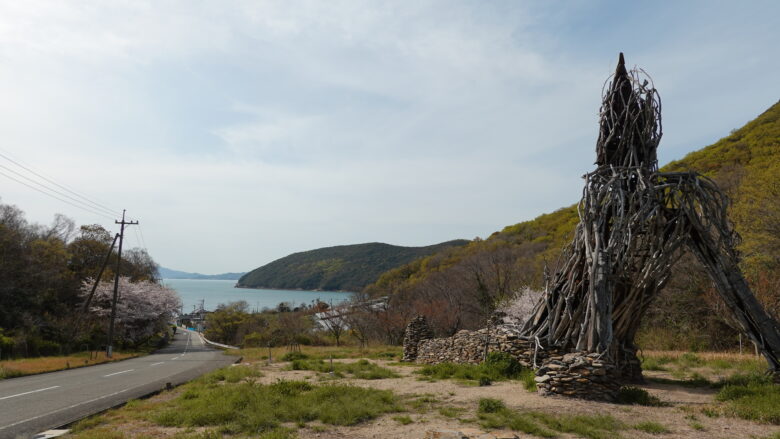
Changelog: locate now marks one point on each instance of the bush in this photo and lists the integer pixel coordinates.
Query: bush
(490, 405)
(291, 356)
(255, 340)
(498, 366)
(752, 397)
(502, 364)
(635, 395)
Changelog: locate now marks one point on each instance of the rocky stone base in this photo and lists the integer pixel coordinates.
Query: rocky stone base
(578, 375)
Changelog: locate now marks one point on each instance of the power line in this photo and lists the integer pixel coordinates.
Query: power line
(88, 205)
(54, 190)
(56, 197)
(87, 199)
(143, 240)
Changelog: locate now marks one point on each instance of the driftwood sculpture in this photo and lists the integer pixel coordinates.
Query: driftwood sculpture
(634, 223)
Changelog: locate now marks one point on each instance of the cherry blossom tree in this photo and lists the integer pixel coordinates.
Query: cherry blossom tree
(518, 308)
(143, 308)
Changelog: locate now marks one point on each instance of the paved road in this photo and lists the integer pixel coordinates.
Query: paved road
(36, 403)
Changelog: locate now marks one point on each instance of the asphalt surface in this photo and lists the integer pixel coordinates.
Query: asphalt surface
(30, 405)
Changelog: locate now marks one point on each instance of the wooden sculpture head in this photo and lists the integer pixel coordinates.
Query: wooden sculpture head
(630, 127)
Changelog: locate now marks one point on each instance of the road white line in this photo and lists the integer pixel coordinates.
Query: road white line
(117, 373)
(155, 364)
(175, 358)
(27, 393)
(64, 408)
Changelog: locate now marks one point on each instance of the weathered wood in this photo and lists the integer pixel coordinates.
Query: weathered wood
(634, 222)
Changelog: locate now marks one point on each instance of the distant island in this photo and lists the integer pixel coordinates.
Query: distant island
(167, 273)
(340, 268)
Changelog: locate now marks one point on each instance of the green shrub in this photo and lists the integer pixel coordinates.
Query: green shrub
(451, 412)
(290, 356)
(635, 395)
(255, 340)
(528, 378)
(689, 359)
(490, 405)
(752, 397)
(501, 364)
(404, 420)
(498, 366)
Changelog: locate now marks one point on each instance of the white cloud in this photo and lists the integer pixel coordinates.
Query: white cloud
(238, 132)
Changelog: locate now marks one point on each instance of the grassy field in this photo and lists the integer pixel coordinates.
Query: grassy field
(384, 352)
(366, 393)
(31, 366)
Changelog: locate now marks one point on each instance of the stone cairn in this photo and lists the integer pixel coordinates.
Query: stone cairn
(416, 331)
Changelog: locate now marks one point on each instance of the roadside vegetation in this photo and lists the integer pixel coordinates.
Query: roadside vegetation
(46, 273)
(31, 366)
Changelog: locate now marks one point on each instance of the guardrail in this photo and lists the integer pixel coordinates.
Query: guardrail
(213, 343)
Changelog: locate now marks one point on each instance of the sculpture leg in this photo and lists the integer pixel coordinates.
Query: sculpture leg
(735, 292)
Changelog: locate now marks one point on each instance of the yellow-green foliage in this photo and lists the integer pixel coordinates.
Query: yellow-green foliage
(746, 164)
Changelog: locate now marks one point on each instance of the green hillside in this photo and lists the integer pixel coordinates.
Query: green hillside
(746, 164)
(340, 268)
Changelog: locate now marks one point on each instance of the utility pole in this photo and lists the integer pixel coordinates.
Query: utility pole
(123, 223)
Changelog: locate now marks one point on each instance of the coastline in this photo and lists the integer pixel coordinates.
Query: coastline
(293, 289)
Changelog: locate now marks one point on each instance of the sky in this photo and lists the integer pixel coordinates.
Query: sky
(237, 132)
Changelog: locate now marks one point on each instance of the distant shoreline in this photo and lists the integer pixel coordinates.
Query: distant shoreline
(293, 289)
(265, 288)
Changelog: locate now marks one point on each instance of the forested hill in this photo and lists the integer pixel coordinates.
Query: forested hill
(746, 164)
(340, 268)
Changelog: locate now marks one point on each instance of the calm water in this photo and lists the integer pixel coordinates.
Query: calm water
(214, 292)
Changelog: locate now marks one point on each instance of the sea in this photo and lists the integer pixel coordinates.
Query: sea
(215, 292)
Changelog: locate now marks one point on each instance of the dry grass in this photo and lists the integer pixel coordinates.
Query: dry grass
(31, 366)
(706, 356)
(383, 352)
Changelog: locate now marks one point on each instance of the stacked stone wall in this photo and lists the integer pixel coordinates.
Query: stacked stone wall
(416, 331)
(472, 347)
(578, 374)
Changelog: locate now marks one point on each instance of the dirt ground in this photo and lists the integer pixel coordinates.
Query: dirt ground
(685, 407)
